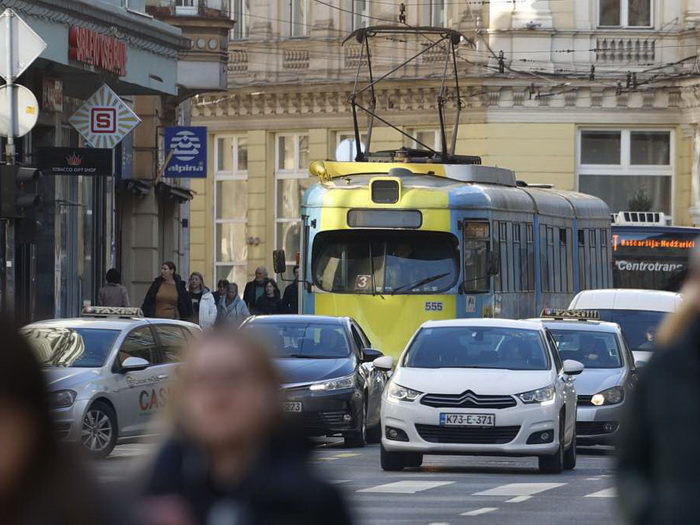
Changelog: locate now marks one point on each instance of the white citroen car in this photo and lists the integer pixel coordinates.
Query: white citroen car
(480, 387)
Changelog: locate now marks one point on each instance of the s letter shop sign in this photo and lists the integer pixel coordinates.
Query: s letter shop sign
(98, 50)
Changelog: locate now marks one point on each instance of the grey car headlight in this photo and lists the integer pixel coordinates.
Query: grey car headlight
(401, 393)
(541, 395)
(339, 383)
(611, 396)
(62, 398)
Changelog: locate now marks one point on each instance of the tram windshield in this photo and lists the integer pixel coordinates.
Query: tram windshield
(385, 262)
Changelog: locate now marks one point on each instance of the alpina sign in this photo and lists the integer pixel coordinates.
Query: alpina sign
(75, 161)
(95, 49)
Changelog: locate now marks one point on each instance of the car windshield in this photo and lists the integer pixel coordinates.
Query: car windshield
(303, 340)
(638, 326)
(593, 349)
(385, 262)
(71, 347)
(477, 347)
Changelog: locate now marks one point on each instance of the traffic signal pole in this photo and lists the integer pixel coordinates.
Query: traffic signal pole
(8, 303)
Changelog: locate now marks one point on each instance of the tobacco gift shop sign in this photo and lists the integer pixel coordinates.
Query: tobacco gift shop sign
(98, 50)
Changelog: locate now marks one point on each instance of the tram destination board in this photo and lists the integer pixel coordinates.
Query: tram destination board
(651, 258)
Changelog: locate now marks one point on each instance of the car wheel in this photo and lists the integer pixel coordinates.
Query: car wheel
(358, 438)
(554, 463)
(413, 460)
(391, 461)
(570, 455)
(99, 430)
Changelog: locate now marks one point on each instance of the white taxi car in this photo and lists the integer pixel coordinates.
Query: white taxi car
(108, 372)
(480, 387)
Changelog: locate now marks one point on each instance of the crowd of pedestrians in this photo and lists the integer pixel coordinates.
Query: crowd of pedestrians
(170, 298)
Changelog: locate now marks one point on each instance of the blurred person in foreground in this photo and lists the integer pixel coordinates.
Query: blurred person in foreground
(230, 458)
(40, 480)
(658, 452)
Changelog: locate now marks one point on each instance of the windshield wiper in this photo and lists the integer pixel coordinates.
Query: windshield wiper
(426, 280)
(301, 356)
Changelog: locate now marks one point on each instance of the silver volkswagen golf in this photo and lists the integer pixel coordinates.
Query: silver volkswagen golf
(108, 372)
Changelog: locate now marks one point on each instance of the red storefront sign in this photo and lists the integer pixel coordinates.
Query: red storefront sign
(102, 51)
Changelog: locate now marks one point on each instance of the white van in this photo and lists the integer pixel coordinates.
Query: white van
(638, 312)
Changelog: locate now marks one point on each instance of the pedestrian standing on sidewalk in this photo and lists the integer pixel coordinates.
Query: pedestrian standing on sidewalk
(113, 293)
(270, 303)
(221, 288)
(230, 458)
(255, 289)
(232, 309)
(167, 298)
(291, 294)
(658, 452)
(204, 310)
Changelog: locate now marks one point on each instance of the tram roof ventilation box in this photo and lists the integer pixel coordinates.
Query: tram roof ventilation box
(640, 218)
(480, 174)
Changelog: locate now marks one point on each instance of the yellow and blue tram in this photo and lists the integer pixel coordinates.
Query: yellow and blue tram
(393, 244)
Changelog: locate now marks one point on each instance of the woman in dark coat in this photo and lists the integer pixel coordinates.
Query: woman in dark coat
(270, 302)
(230, 458)
(167, 298)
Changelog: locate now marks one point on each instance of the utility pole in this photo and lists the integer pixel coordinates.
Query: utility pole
(10, 152)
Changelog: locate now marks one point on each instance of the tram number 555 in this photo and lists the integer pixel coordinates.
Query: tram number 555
(433, 306)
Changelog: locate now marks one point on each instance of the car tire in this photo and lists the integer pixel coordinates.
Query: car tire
(413, 460)
(570, 455)
(554, 463)
(391, 461)
(358, 438)
(98, 433)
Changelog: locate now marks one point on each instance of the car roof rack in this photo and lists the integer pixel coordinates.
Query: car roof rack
(111, 311)
(578, 315)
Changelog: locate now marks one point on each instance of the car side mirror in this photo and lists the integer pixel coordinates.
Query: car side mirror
(370, 354)
(386, 362)
(639, 364)
(493, 263)
(573, 368)
(279, 261)
(134, 364)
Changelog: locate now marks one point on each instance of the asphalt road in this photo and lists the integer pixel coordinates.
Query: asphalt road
(447, 489)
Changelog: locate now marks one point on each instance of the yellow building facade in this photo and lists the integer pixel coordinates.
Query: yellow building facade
(287, 106)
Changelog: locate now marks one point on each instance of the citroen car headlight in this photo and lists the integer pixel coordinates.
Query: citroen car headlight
(611, 396)
(339, 383)
(401, 393)
(541, 395)
(62, 398)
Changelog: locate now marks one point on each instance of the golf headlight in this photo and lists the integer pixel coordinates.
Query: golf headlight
(541, 395)
(611, 396)
(400, 393)
(62, 398)
(339, 383)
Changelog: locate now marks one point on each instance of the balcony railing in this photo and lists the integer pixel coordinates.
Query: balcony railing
(195, 8)
(627, 50)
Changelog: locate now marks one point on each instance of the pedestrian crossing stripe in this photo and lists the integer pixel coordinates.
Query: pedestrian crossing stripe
(406, 487)
(519, 489)
(479, 512)
(605, 493)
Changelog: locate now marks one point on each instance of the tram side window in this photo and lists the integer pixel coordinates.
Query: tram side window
(476, 249)
(604, 254)
(518, 261)
(582, 267)
(567, 250)
(530, 238)
(592, 250)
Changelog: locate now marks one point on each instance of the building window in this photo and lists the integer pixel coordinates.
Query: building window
(360, 14)
(298, 18)
(240, 13)
(351, 151)
(624, 13)
(425, 137)
(436, 12)
(628, 169)
(291, 181)
(230, 208)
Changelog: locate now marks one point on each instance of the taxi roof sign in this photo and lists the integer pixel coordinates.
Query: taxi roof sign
(581, 315)
(111, 311)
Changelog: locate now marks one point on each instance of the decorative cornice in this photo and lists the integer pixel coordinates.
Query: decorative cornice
(141, 32)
